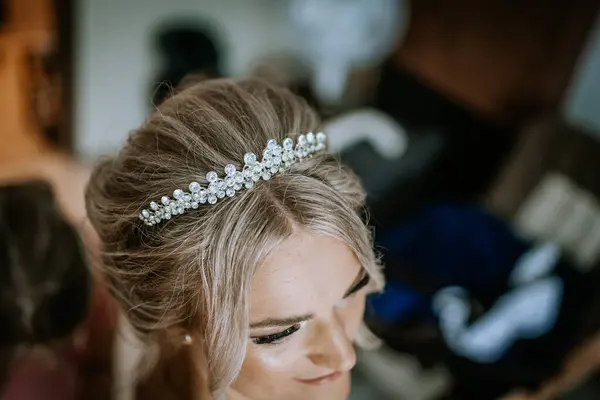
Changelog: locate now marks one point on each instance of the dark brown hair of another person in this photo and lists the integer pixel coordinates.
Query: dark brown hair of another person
(45, 283)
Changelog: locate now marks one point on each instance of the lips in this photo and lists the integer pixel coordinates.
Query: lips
(321, 380)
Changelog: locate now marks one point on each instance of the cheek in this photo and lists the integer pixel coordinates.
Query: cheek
(264, 362)
(261, 370)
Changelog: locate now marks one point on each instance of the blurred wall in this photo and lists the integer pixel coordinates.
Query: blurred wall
(509, 61)
(582, 105)
(115, 63)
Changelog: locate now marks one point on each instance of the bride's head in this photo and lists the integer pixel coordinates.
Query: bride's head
(266, 269)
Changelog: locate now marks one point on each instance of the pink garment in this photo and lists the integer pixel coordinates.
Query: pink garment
(36, 378)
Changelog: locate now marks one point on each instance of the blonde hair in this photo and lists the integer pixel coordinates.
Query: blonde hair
(192, 273)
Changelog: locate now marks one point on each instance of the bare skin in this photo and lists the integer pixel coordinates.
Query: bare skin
(318, 282)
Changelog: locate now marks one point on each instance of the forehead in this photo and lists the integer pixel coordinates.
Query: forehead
(304, 273)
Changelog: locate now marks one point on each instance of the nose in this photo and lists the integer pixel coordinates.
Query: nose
(331, 348)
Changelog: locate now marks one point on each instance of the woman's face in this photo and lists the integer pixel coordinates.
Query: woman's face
(306, 304)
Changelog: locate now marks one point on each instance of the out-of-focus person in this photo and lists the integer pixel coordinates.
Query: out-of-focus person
(56, 335)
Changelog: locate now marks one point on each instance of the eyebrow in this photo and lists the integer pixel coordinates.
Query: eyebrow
(284, 322)
(281, 322)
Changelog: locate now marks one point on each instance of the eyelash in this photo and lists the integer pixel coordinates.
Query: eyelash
(363, 282)
(276, 337)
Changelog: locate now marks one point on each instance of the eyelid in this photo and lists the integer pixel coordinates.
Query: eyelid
(361, 284)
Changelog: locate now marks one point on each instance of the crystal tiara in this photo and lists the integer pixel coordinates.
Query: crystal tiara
(276, 158)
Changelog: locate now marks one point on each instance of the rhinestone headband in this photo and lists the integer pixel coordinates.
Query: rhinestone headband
(276, 158)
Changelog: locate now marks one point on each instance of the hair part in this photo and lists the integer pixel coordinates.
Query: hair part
(193, 273)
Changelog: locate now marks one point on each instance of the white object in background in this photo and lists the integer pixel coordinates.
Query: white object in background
(526, 312)
(582, 100)
(338, 35)
(558, 210)
(386, 136)
(538, 262)
(538, 213)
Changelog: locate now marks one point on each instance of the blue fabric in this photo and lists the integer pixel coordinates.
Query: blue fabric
(397, 302)
(445, 245)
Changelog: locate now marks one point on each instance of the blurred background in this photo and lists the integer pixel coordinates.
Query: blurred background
(474, 126)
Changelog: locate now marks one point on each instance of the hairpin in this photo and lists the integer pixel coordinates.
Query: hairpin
(276, 159)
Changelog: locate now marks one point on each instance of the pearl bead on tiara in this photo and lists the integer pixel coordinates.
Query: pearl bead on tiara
(276, 158)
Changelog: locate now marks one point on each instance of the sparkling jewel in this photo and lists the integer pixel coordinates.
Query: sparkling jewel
(250, 158)
(212, 176)
(229, 169)
(194, 187)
